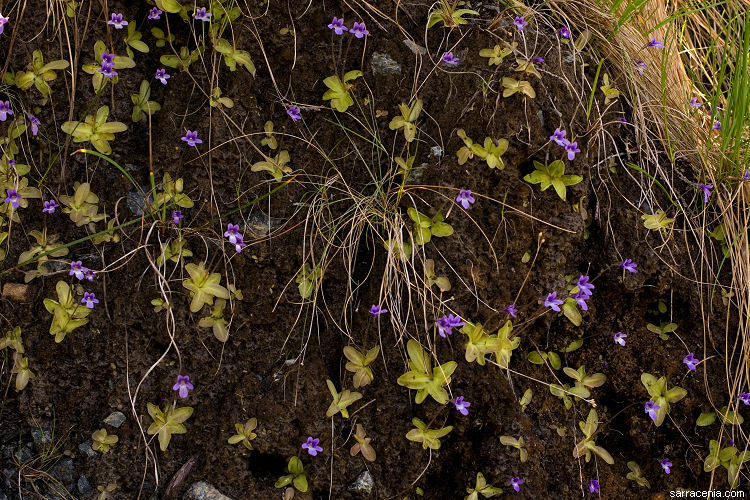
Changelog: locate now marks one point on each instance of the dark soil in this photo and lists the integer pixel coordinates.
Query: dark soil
(281, 352)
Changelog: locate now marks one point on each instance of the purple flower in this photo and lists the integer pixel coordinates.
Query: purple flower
(117, 21)
(108, 58)
(50, 206)
(553, 302)
(337, 25)
(665, 464)
(201, 14)
(694, 103)
(580, 297)
(745, 398)
(108, 69)
(449, 59)
(706, 188)
(359, 30)
(162, 75)
(461, 405)
(519, 23)
(183, 385)
(584, 286)
(3, 20)
(565, 32)
(640, 66)
(376, 310)
(559, 137)
(747, 175)
(516, 482)
(717, 125)
(77, 270)
(622, 120)
(89, 299)
(690, 361)
(177, 216)
(594, 486)
(651, 408)
(90, 275)
(294, 113)
(233, 233)
(465, 198)
(239, 246)
(235, 238)
(13, 198)
(155, 13)
(512, 310)
(5, 110)
(655, 43)
(629, 265)
(446, 324)
(539, 60)
(312, 445)
(191, 137)
(572, 149)
(12, 163)
(619, 338)
(34, 121)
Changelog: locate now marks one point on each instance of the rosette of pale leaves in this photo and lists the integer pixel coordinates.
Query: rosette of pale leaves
(552, 175)
(407, 120)
(167, 422)
(426, 227)
(83, 205)
(38, 73)
(359, 364)
(245, 433)
(338, 90)
(67, 315)
(203, 286)
(423, 378)
(661, 396)
(296, 476)
(341, 400)
(586, 446)
(98, 80)
(430, 438)
(43, 245)
(95, 129)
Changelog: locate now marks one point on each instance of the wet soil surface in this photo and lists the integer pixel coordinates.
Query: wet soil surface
(281, 351)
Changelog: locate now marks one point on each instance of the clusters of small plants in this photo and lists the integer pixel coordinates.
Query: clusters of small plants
(76, 300)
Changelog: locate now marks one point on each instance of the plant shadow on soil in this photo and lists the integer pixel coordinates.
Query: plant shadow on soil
(83, 379)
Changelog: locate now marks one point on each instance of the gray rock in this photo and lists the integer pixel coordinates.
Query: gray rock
(56, 266)
(136, 202)
(83, 485)
(86, 449)
(90, 259)
(115, 419)
(41, 438)
(204, 491)
(417, 49)
(259, 225)
(24, 454)
(384, 65)
(363, 484)
(63, 472)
